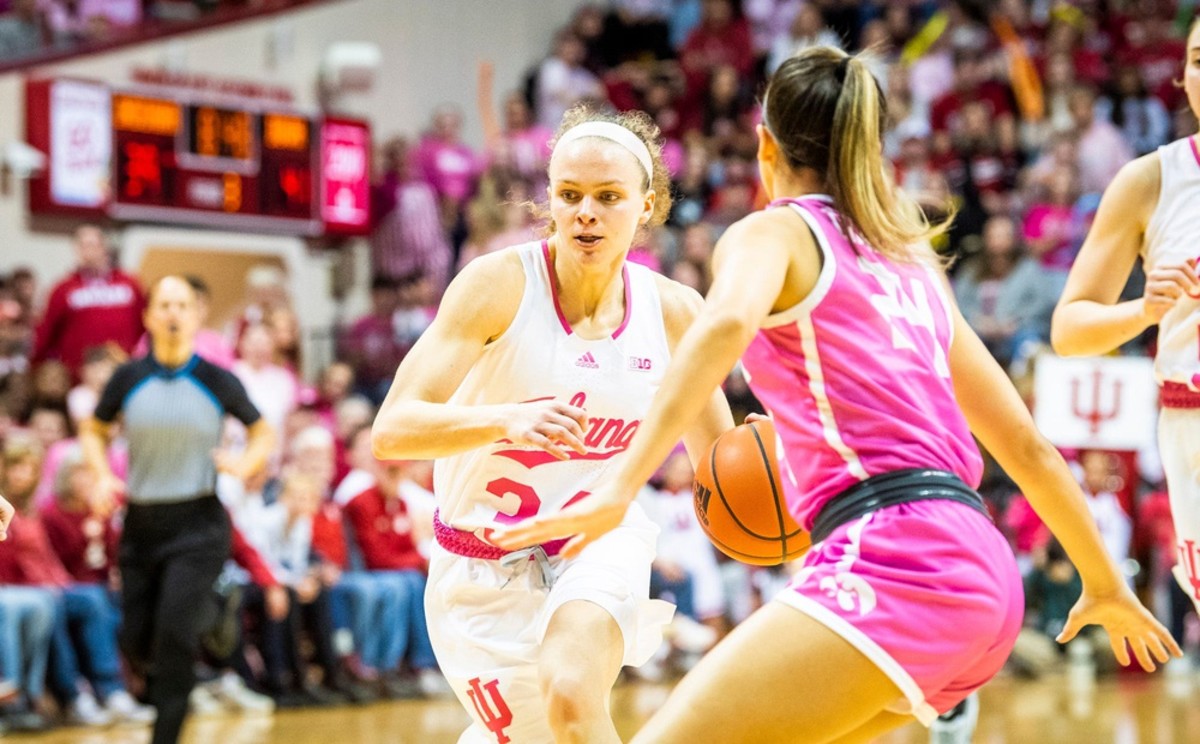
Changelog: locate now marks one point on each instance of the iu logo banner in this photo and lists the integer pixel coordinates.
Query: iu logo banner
(491, 708)
(1104, 403)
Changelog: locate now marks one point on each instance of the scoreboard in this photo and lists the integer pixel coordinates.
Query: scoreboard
(175, 156)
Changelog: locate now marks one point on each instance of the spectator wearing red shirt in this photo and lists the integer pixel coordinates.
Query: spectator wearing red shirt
(383, 533)
(971, 84)
(370, 345)
(84, 542)
(95, 305)
(27, 559)
(721, 39)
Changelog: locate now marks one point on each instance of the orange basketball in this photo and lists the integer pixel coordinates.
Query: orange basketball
(739, 499)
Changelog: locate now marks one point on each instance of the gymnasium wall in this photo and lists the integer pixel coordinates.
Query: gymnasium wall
(430, 51)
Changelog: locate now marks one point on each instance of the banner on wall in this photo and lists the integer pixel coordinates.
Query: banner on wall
(80, 143)
(1106, 403)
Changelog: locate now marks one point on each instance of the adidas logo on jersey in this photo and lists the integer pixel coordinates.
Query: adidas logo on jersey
(587, 361)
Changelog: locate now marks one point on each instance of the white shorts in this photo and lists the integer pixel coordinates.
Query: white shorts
(1179, 446)
(487, 623)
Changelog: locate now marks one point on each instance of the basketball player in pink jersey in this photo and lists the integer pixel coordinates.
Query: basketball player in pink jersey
(910, 597)
(1152, 210)
(528, 389)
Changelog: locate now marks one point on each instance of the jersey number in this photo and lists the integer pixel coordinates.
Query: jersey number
(905, 312)
(528, 502)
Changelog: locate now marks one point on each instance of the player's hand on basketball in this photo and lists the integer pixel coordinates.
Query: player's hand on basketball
(752, 417)
(1167, 284)
(584, 522)
(6, 515)
(548, 424)
(1126, 621)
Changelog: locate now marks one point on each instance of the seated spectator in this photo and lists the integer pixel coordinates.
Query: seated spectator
(274, 390)
(563, 81)
(386, 536)
(1103, 149)
(27, 622)
(85, 631)
(369, 346)
(85, 542)
(22, 30)
(1140, 116)
(1050, 226)
(520, 147)
(288, 548)
(1005, 296)
(808, 29)
(99, 362)
(1100, 486)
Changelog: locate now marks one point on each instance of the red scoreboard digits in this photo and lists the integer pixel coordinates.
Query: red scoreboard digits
(175, 157)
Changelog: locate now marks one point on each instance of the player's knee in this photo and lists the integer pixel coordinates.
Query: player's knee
(570, 699)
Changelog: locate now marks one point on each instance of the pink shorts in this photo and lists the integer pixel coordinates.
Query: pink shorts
(928, 590)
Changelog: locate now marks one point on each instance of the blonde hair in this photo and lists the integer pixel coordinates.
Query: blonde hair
(826, 111)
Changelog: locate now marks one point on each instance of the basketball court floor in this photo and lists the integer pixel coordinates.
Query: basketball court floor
(1131, 708)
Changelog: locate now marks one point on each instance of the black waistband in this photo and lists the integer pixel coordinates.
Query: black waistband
(889, 489)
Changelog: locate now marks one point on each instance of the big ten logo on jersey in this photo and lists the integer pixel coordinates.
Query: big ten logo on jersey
(906, 312)
(491, 707)
(640, 364)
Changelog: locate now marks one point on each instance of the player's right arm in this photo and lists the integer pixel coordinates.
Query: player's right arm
(416, 422)
(1088, 319)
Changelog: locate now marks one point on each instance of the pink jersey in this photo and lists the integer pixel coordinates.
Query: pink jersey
(856, 376)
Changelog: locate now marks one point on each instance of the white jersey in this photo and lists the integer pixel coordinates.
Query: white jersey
(539, 358)
(1172, 236)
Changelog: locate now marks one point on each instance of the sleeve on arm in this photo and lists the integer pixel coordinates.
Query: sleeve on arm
(115, 392)
(232, 395)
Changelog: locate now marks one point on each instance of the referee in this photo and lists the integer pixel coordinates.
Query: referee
(171, 404)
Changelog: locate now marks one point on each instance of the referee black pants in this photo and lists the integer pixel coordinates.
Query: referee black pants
(170, 557)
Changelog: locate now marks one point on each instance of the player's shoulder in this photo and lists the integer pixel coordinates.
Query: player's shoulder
(487, 292)
(779, 226)
(680, 305)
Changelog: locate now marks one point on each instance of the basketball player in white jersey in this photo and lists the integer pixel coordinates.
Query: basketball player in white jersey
(527, 389)
(1152, 210)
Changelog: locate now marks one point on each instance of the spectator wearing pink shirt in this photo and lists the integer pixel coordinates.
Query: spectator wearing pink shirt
(1049, 224)
(274, 390)
(447, 164)
(1102, 147)
(521, 146)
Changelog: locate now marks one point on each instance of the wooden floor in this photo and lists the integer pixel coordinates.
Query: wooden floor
(1131, 709)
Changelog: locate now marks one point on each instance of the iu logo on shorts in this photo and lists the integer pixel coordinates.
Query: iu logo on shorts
(490, 706)
(1187, 558)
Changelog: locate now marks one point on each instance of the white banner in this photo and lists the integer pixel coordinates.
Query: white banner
(80, 143)
(1098, 402)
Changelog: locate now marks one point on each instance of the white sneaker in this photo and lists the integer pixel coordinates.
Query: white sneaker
(956, 726)
(124, 709)
(85, 711)
(201, 702)
(689, 636)
(433, 684)
(233, 692)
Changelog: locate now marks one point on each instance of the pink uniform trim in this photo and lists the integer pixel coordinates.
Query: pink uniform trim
(467, 545)
(562, 319)
(1195, 150)
(1178, 395)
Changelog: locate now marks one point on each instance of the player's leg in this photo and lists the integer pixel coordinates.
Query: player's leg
(877, 726)
(578, 664)
(1177, 432)
(780, 676)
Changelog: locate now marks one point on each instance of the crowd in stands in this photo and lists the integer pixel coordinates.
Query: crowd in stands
(332, 543)
(32, 27)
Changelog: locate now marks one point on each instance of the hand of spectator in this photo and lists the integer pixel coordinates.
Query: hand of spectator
(308, 589)
(485, 76)
(329, 574)
(1126, 621)
(1166, 284)
(276, 599)
(6, 515)
(106, 494)
(670, 571)
(549, 424)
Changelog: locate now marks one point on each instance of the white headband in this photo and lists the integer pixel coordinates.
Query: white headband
(615, 133)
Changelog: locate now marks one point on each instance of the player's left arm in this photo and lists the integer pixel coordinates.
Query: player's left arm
(1000, 420)
(681, 306)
